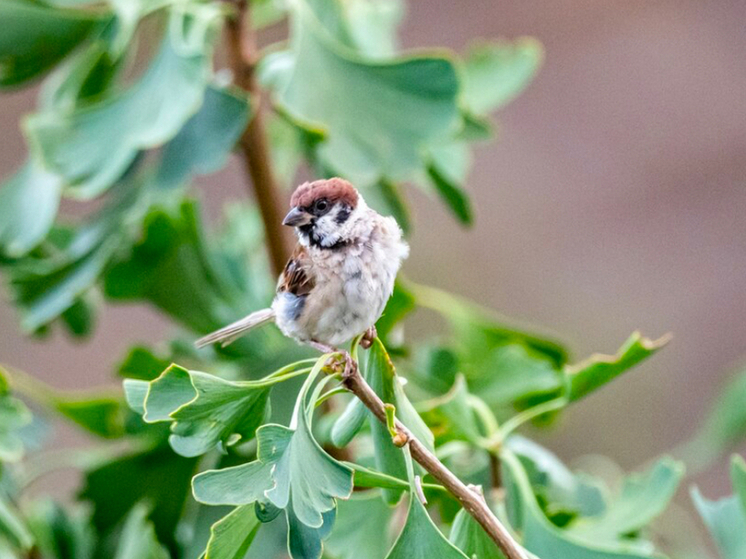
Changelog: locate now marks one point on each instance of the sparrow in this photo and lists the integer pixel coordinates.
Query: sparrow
(340, 275)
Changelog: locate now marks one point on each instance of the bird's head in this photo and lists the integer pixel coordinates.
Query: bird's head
(325, 212)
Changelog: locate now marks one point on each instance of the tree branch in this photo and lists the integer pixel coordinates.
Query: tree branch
(472, 501)
(243, 54)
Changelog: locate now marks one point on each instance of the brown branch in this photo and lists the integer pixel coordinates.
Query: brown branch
(243, 54)
(472, 500)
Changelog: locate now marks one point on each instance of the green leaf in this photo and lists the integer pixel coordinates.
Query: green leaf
(93, 146)
(738, 476)
(156, 476)
(172, 246)
(589, 375)
(452, 194)
(28, 207)
(203, 144)
(49, 283)
(399, 305)
(561, 489)
(135, 392)
(349, 423)
(267, 12)
(724, 426)
(393, 203)
(60, 533)
(373, 25)
(366, 478)
(292, 470)
(479, 330)
(726, 521)
(103, 414)
(36, 37)
(470, 537)
(420, 538)
(451, 416)
(379, 115)
(142, 363)
(302, 472)
(138, 540)
(236, 485)
(361, 527)
(13, 526)
(379, 371)
(306, 542)
(541, 537)
(511, 375)
(231, 536)
(13, 416)
(495, 73)
(643, 497)
(205, 410)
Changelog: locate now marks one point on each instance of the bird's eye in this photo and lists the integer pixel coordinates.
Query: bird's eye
(321, 205)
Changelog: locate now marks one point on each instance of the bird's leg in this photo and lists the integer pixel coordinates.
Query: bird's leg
(326, 348)
(367, 340)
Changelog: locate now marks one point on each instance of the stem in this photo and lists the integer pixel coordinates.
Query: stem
(472, 501)
(244, 55)
(531, 413)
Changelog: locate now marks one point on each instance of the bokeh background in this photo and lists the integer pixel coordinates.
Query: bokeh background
(614, 199)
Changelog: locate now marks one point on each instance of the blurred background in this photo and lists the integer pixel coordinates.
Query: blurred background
(613, 200)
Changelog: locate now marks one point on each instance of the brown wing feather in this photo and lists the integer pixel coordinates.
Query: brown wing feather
(295, 277)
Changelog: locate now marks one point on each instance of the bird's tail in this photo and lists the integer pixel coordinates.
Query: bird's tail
(228, 334)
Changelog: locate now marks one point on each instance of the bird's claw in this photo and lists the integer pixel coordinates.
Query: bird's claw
(350, 366)
(367, 340)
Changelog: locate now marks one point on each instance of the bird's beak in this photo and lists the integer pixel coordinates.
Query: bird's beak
(296, 217)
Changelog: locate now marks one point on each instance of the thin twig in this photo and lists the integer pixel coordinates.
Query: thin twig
(243, 54)
(473, 502)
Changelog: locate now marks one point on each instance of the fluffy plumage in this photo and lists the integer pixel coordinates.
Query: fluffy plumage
(336, 283)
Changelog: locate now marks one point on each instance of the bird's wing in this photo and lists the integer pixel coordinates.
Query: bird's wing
(296, 277)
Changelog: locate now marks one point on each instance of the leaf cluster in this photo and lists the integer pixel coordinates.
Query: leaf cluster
(207, 453)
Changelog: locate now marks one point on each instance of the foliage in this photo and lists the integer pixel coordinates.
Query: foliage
(207, 453)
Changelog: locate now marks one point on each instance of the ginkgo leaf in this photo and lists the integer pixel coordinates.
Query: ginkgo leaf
(37, 36)
(236, 485)
(138, 540)
(541, 537)
(420, 538)
(589, 375)
(306, 542)
(642, 498)
(496, 72)
(204, 409)
(724, 425)
(13, 416)
(291, 470)
(555, 483)
(303, 472)
(231, 536)
(361, 529)
(470, 537)
(28, 205)
(379, 372)
(379, 115)
(451, 193)
(156, 476)
(13, 525)
(738, 477)
(349, 423)
(92, 146)
(203, 144)
(451, 416)
(726, 521)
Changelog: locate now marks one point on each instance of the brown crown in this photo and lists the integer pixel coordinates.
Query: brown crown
(334, 190)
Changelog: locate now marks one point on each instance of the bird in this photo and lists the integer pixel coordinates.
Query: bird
(340, 275)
